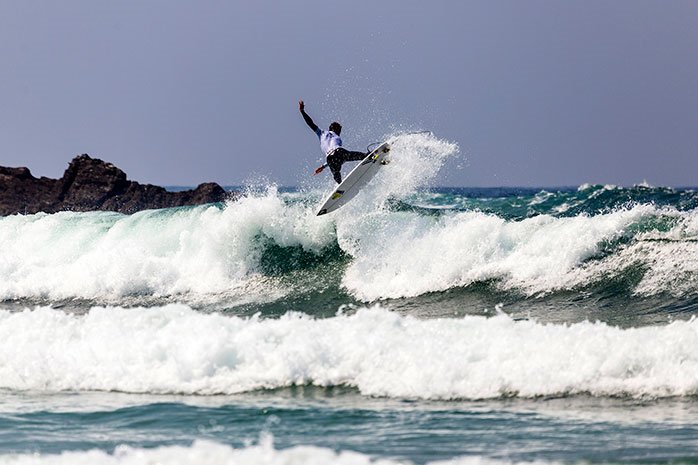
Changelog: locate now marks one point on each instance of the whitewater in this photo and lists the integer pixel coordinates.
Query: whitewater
(175, 350)
(206, 452)
(417, 324)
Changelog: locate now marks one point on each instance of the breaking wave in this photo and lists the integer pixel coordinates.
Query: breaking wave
(176, 350)
(392, 241)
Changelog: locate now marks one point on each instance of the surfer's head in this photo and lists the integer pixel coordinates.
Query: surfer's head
(336, 128)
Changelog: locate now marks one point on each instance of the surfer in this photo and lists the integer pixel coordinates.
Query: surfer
(331, 146)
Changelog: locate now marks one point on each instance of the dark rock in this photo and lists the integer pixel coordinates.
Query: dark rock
(92, 184)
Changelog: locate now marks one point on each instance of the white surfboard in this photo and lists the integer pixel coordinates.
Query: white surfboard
(356, 179)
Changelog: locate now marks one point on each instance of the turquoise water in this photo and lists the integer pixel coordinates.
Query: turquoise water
(545, 429)
(414, 325)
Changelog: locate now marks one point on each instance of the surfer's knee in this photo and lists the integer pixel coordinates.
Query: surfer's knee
(334, 160)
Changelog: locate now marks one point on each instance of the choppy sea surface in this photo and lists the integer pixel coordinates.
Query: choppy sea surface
(415, 325)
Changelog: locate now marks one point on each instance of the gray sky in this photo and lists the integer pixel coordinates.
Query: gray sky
(536, 93)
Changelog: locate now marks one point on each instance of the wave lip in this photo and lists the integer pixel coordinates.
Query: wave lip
(174, 349)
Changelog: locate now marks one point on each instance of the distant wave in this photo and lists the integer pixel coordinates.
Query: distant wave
(513, 203)
(176, 350)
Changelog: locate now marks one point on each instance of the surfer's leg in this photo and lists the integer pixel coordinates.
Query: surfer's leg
(334, 161)
(353, 155)
(338, 157)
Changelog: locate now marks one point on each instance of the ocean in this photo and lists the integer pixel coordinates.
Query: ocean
(416, 325)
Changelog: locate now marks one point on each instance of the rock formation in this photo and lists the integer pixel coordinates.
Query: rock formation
(92, 184)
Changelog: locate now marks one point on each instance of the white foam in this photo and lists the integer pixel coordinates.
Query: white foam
(174, 349)
(541, 197)
(212, 453)
(402, 254)
(163, 252)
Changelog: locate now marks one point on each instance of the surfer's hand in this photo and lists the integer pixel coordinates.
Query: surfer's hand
(301, 105)
(319, 170)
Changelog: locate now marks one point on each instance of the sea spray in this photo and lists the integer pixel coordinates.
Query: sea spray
(415, 160)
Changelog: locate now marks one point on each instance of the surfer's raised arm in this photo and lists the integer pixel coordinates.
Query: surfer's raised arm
(308, 120)
(331, 145)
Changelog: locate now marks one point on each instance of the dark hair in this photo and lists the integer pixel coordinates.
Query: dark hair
(336, 127)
